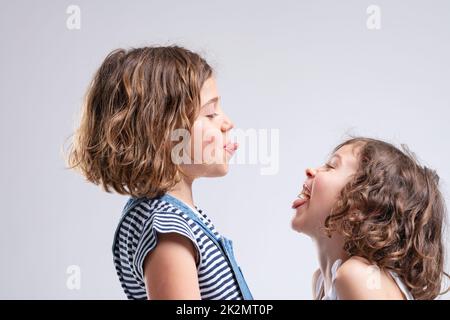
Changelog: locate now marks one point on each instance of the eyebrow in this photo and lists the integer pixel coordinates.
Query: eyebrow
(212, 100)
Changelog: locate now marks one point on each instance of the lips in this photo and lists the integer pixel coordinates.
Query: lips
(231, 147)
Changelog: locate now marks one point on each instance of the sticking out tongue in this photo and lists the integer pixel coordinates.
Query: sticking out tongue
(298, 202)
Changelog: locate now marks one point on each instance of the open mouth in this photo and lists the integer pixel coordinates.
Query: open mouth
(303, 197)
(306, 193)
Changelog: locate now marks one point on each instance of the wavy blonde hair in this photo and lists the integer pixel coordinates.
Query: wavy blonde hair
(392, 213)
(136, 99)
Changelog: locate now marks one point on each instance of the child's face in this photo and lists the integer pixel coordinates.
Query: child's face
(210, 146)
(321, 191)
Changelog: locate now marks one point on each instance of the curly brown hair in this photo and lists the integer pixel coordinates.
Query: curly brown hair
(136, 99)
(392, 213)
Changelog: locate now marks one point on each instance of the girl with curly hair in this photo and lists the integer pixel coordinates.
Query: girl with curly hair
(376, 216)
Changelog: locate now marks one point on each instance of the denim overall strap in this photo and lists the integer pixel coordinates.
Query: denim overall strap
(228, 247)
(224, 245)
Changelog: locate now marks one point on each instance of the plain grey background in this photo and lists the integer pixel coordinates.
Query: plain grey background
(311, 69)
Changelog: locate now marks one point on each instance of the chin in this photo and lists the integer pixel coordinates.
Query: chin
(218, 170)
(223, 171)
(300, 225)
(296, 225)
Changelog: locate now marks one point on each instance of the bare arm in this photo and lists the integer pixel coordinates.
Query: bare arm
(170, 271)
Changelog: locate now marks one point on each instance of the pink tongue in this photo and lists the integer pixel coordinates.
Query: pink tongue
(298, 202)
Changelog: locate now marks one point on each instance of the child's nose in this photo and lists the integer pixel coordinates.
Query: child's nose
(227, 124)
(310, 172)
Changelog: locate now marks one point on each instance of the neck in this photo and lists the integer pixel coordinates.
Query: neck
(183, 191)
(329, 250)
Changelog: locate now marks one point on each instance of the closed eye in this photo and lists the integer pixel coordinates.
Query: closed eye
(328, 166)
(211, 116)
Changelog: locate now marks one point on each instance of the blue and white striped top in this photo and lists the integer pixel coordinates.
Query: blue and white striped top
(137, 235)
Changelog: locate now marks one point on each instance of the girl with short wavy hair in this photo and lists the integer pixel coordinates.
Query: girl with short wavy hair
(140, 104)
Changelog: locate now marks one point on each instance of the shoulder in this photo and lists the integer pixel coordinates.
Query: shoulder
(354, 266)
(146, 219)
(144, 208)
(144, 211)
(357, 278)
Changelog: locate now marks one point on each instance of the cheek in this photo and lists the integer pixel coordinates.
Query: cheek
(209, 134)
(206, 144)
(203, 137)
(325, 194)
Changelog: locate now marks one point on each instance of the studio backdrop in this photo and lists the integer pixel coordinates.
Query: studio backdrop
(298, 76)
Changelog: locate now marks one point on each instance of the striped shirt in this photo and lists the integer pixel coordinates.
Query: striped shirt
(137, 235)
